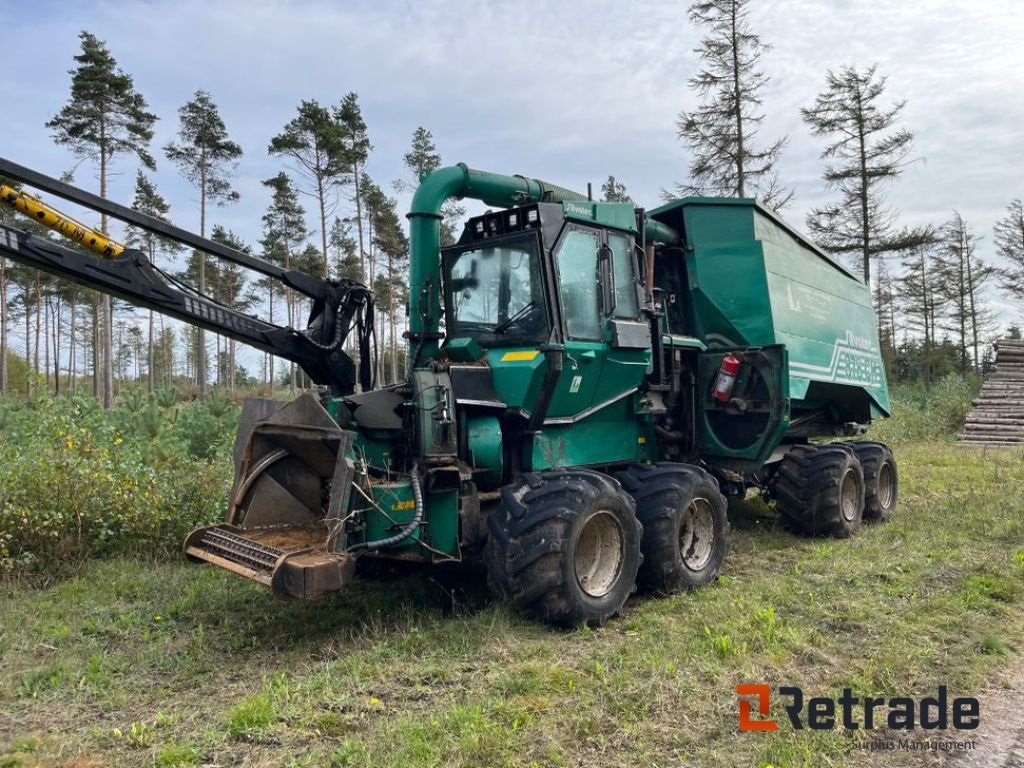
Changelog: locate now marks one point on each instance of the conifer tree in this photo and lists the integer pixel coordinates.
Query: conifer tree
(284, 232)
(206, 157)
(231, 290)
(1009, 239)
(614, 191)
(105, 117)
(421, 160)
(313, 141)
(147, 200)
(721, 133)
(356, 149)
(919, 302)
(962, 276)
(866, 151)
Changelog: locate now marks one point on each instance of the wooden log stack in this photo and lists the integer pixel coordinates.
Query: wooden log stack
(997, 416)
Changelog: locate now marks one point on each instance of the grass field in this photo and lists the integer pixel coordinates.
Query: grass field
(137, 662)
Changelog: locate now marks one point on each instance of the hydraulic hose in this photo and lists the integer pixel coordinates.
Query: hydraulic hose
(410, 527)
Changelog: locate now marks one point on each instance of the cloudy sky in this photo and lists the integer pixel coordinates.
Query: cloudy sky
(566, 92)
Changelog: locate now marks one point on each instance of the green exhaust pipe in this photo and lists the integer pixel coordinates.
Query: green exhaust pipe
(497, 190)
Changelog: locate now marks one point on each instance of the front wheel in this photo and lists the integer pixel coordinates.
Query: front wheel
(564, 546)
(685, 521)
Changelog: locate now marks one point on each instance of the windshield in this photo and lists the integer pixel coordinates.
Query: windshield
(495, 292)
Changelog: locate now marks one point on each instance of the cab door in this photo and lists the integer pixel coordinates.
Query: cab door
(742, 432)
(606, 354)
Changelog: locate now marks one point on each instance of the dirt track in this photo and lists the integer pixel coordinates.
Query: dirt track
(1001, 735)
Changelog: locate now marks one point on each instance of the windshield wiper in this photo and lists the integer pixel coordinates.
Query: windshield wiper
(509, 322)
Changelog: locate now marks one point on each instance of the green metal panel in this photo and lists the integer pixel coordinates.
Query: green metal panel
(432, 397)
(440, 528)
(754, 280)
(517, 373)
(743, 439)
(483, 436)
(617, 215)
(463, 350)
(611, 435)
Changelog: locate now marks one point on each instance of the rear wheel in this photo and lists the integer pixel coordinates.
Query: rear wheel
(564, 546)
(881, 480)
(819, 490)
(686, 527)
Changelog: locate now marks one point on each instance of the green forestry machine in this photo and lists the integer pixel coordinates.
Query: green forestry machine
(587, 382)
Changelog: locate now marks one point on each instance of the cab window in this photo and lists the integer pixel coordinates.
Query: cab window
(576, 259)
(625, 280)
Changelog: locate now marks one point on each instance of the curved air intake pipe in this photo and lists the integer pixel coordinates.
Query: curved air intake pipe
(459, 181)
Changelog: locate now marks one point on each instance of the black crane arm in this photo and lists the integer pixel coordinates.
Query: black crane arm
(338, 306)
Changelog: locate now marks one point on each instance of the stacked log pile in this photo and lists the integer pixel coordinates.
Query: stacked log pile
(997, 417)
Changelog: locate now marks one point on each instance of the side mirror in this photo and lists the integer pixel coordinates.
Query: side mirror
(606, 279)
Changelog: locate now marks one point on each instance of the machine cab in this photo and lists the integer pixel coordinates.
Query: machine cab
(544, 273)
(523, 282)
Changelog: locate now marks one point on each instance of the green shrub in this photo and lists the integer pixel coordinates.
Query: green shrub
(77, 481)
(920, 414)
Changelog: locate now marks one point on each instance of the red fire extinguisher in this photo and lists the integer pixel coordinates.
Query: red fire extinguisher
(726, 378)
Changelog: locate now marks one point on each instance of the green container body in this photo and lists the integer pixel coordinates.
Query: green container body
(754, 280)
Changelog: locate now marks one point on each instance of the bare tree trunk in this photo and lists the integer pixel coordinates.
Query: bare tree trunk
(362, 265)
(46, 340)
(3, 326)
(108, 345)
(290, 302)
(270, 357)
(394, 323)
(738, 94)
(28, 340)
(39, 316)
(106, 305)
(97, 379)
(72, 384)
(201, 336)
(57, 323)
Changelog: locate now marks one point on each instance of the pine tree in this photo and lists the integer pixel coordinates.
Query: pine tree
(284, 232)
(962, 276)
(919, 303)
(868, 152)
(885, 315)
(614, 191)
(104, 117)
(206, 158)
(5, 215)
(313, 140)
(230, 289)
(721, 132)
(1009, 239)
(356, 149)
(344, 254)
(147, 200)
(389, 240)
(421, 160)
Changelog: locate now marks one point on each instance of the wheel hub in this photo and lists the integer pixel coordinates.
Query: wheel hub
(696, 534)
(848, 496)
(599, 554)
(885, 486)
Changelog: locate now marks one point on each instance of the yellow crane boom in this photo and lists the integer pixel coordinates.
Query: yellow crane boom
(50, 217)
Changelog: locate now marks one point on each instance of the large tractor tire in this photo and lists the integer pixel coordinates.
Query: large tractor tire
(819, 490)
(686, 526)
(564, 546)
(881, 481)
